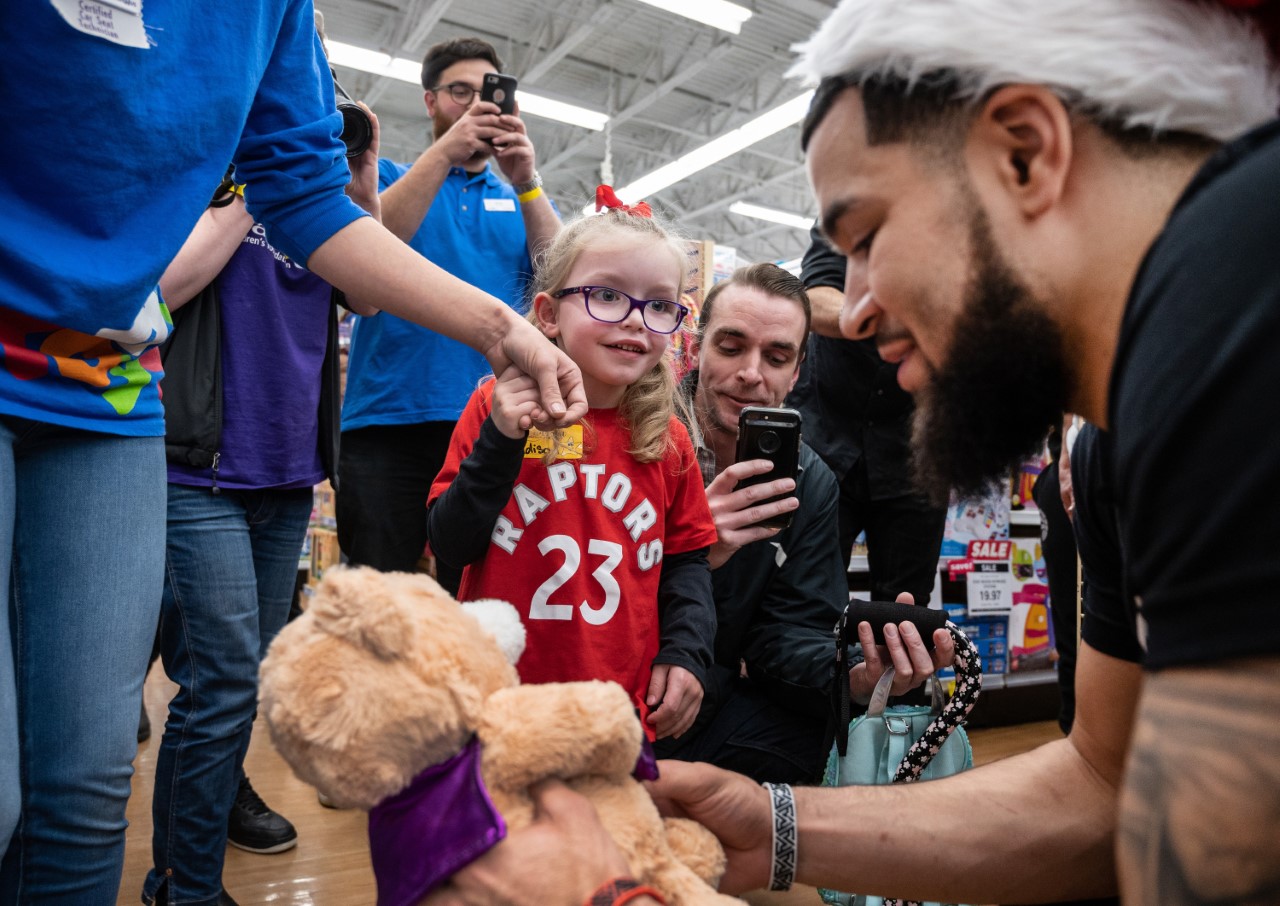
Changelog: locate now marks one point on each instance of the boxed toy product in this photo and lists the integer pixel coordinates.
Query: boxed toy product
(1030, 635)
(983, 519)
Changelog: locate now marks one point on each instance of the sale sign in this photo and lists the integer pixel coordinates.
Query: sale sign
(990, 582)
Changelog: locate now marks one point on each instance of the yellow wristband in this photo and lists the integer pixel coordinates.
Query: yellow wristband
(526, 197)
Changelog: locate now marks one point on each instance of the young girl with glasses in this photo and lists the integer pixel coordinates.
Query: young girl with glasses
(598, 533)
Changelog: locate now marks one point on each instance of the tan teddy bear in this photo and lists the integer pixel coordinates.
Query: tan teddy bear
(389, 696)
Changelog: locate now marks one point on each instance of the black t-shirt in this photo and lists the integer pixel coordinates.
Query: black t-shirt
(1194, 447)
(849, 397)
(1108, 625)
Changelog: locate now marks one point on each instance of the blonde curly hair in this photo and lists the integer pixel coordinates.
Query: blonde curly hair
(648, 404)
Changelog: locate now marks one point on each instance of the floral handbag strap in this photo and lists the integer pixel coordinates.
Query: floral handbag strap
(968, 684)
(953, 713)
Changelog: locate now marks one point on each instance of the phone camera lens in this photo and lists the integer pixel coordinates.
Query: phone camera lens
(769, 442)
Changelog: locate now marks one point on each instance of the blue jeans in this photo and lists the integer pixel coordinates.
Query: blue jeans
(231, 565)
(81, 568)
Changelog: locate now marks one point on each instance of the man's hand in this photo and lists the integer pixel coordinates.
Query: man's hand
(363, 188)
(470, 134)
(680, 695)
(513, 149)
(562, 400)
(905, 650)
(560, 858)
(734, 808)
(738, 512)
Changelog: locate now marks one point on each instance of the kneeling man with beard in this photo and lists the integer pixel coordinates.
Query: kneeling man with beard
(1048, 206)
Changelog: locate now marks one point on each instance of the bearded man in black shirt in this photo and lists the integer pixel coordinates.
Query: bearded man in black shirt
(1048, 206)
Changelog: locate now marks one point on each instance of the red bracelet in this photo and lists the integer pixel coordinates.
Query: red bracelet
(622, 890)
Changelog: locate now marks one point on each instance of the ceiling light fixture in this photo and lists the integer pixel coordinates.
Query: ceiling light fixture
(719, 13)
(773, 215)
(406, 70)
(716, 150)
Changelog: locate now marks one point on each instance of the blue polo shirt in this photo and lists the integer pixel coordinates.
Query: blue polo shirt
(399, 373)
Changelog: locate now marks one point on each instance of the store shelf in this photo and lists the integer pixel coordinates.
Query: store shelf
(1013, 680)
(858, 564)
(1024, 517)
(994, 682)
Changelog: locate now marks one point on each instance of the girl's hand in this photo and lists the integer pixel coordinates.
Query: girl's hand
(676, 695)
(515, 402)
(563, 399)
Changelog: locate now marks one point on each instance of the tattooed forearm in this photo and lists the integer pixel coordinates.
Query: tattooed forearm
(1200, 811)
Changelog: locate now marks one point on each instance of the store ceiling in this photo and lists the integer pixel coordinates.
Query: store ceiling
(669, 83)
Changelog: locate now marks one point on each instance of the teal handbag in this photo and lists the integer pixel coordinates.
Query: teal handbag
(879, 740)
(906, 743)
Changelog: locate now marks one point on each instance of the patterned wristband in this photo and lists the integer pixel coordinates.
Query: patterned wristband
(783, 802)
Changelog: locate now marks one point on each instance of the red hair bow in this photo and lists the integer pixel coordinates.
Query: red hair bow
(605, 198)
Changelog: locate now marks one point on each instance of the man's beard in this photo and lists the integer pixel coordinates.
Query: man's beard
(1004, 383)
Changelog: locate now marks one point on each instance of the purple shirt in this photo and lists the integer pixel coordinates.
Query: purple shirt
(275, 329)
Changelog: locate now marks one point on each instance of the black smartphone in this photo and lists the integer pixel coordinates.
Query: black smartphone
(772, 434)
(499, 89)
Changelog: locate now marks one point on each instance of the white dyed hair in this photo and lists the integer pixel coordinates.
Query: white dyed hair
(1162, 65)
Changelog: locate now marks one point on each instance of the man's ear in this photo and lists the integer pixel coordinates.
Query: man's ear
(429, 98)
(693, 352)
(1022, 137)
(548, 317)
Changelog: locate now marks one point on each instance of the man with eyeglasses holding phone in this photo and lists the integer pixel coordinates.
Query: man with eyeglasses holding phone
(406, 385)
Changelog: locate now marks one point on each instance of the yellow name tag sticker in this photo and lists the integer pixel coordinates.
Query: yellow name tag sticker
(567, 443)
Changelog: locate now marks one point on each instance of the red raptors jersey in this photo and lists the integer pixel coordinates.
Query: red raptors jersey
(578, 548)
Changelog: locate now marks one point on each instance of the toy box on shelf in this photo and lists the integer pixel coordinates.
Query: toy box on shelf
(701, 254)
(994, 583)
(1024, 479)
(320, 548)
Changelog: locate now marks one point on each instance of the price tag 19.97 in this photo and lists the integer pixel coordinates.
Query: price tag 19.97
(990, 587)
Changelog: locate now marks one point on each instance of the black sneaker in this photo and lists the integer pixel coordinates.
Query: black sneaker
(162, 897)
(254, 827)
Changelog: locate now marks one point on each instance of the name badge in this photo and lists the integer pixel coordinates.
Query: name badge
(117, 21)
(567, 443)
(500, 204)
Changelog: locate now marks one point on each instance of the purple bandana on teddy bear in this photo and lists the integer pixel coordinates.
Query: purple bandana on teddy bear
(442, 822)
(439, 824)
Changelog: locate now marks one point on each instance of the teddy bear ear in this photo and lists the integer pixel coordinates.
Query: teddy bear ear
(500, 620)
(367, 608)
